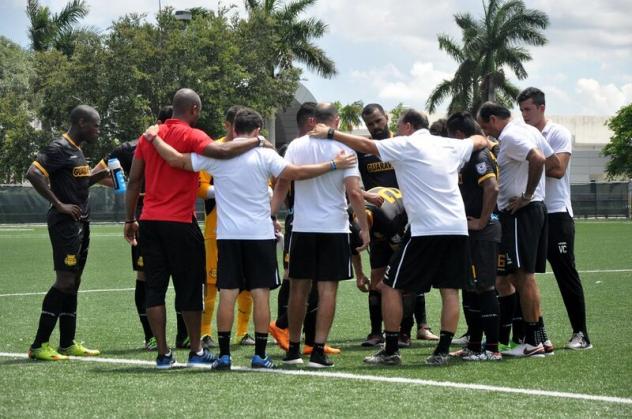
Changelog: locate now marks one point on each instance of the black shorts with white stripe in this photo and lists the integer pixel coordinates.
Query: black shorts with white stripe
(247, 264)
(524, 240)
(320, 256)
(423, 262)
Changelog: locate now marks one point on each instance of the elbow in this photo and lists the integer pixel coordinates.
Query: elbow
(355, 195)
(555, 173)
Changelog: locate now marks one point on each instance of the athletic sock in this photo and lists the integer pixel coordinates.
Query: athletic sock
(51, 307)
(531, 336)
(466, 299)
(281, 322)
(244, 308)
(488, 303)
(261, 340)
(375, 312)
(391, 339)
(294, 348)
(506, 305)
(445, 339)
(319, 349)
(420, 310)
(181, 327)
(541, 336)
(475, 326)
(210, 294)
(139, 299)
(309, 325)
(408, 308)
(68, 320)
(223, 338)
(282, 301)
(517, 322)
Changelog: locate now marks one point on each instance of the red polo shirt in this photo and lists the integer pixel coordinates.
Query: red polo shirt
(170, 193)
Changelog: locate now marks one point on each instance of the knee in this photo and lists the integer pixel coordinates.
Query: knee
(67, 283)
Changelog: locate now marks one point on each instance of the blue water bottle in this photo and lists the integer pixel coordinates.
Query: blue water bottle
(117, 176)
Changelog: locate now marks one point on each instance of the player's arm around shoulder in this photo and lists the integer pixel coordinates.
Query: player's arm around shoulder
(342, 160)
(172, 156)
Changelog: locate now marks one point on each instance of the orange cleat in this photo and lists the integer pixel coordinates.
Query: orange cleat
(282, 336)
(307, 350)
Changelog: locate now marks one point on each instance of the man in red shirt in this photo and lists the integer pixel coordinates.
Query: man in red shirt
(173, 245)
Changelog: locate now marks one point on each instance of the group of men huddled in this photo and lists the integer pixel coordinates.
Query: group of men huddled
(445, 207)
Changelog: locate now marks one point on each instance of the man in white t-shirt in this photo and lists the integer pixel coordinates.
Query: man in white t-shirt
(437, 253)
(561, 246)
(319, 243)
(522, 157)
(245, 232)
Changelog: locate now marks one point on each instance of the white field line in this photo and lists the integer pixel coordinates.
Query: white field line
(45, 236)
(374, 378)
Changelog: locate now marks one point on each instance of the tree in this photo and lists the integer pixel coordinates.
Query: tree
(55, 31)
(394, 115)
(619, 149)
(490, 45)
(350, 115)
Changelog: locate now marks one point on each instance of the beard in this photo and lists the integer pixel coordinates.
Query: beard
(380, 134)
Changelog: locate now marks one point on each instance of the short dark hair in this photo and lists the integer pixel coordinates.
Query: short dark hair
(439, 128)
(306, 111)
(325, 112)
(247, 120)
(165, 113)
(370, 108)
(230, 114)
(532, 93)
(464, 122)
(85, 112)
(414, 118)
(488, 109)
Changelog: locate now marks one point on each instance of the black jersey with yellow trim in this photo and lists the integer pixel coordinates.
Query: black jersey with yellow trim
(374, 172)
(388, 221)
(481, 166)
(68, 172)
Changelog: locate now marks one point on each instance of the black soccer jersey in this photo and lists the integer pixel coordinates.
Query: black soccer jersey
(125, 154)
(374, 172)
(481, 166)
(63, 162)
(388, 221)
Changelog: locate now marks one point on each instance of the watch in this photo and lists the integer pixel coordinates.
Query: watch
(330, 133)
(526, 196)
(262, 141)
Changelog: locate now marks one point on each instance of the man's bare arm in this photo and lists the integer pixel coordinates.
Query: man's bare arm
(136, 176)
(308, 171)
(281, 189)
(490, 194)
(361, 144)
(354, 193)
(556, 165)
(40, 183)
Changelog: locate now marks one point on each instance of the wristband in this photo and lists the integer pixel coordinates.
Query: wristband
(330, 133)
(332, 165)
(273, 217)
(526, 196)
(130, 221)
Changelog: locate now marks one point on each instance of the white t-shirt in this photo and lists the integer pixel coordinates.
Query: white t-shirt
(517, 139)
(558, 191)
(241, 192)
(320, 204)
(427, 169)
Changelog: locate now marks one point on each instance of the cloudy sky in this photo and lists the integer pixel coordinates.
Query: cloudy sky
(386, 51)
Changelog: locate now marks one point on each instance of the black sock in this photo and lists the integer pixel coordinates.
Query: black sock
(475, 327)
(68, 320)
(517, 322)
(445, 339)
(282, 300)
(223, 338)
(319, 349)
(309, 325)
(391, 342)
(542, 336)
(294, 348)
(506, 305)
(531, 336)
(375, 312)
(489, 319)
(466, 299)
(408, 308)
(261, 340)
(51, 307)
(420, 310)
(181, 327)
(139, 299)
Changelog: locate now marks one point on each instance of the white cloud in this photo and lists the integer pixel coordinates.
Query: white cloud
(602, 99)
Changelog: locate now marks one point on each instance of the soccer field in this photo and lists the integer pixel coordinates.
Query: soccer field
(124, 383)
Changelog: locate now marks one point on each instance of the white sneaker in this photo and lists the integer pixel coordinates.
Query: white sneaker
(549, 349)
(484, 356)
(577, 342)
(526, 350)
(462, 341)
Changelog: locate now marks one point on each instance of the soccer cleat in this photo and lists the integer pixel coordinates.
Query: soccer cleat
(183, 343)
(382, 358)
(207, 358)
(424, 333)
(222, 363)
(46, 353)
(483, 356)
(151, 344)
(77, 349)
(165, 362)
(503, 348)
(246, 340)
(437, 360)
(317, 360)
(462, 353)
(526, 350)
(307, 350)
(282, 336)
(292, 359)
(549, 349)
(577, 342)
(263, 363)
(462, 341)
(208, 342)
(373, 340)
(403, 341)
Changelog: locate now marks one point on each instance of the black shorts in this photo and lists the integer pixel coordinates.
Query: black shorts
(70, 240)
(483, 254)
(524, 240)
(175, 250)
(380, 253)
(430, 261)
(247, 264)
(286, 242)
(320, 256)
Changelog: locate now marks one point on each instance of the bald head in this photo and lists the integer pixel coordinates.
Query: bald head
(83, 112)
(187, 106)
(84, 124)
(326, 113)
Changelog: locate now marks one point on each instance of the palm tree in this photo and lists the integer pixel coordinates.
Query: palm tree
(490, 45)
(350, 115)
(55, 31)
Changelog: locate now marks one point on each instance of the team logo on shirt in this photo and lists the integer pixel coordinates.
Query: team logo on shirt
(81, 171)
(481, 168)
(70, 260)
